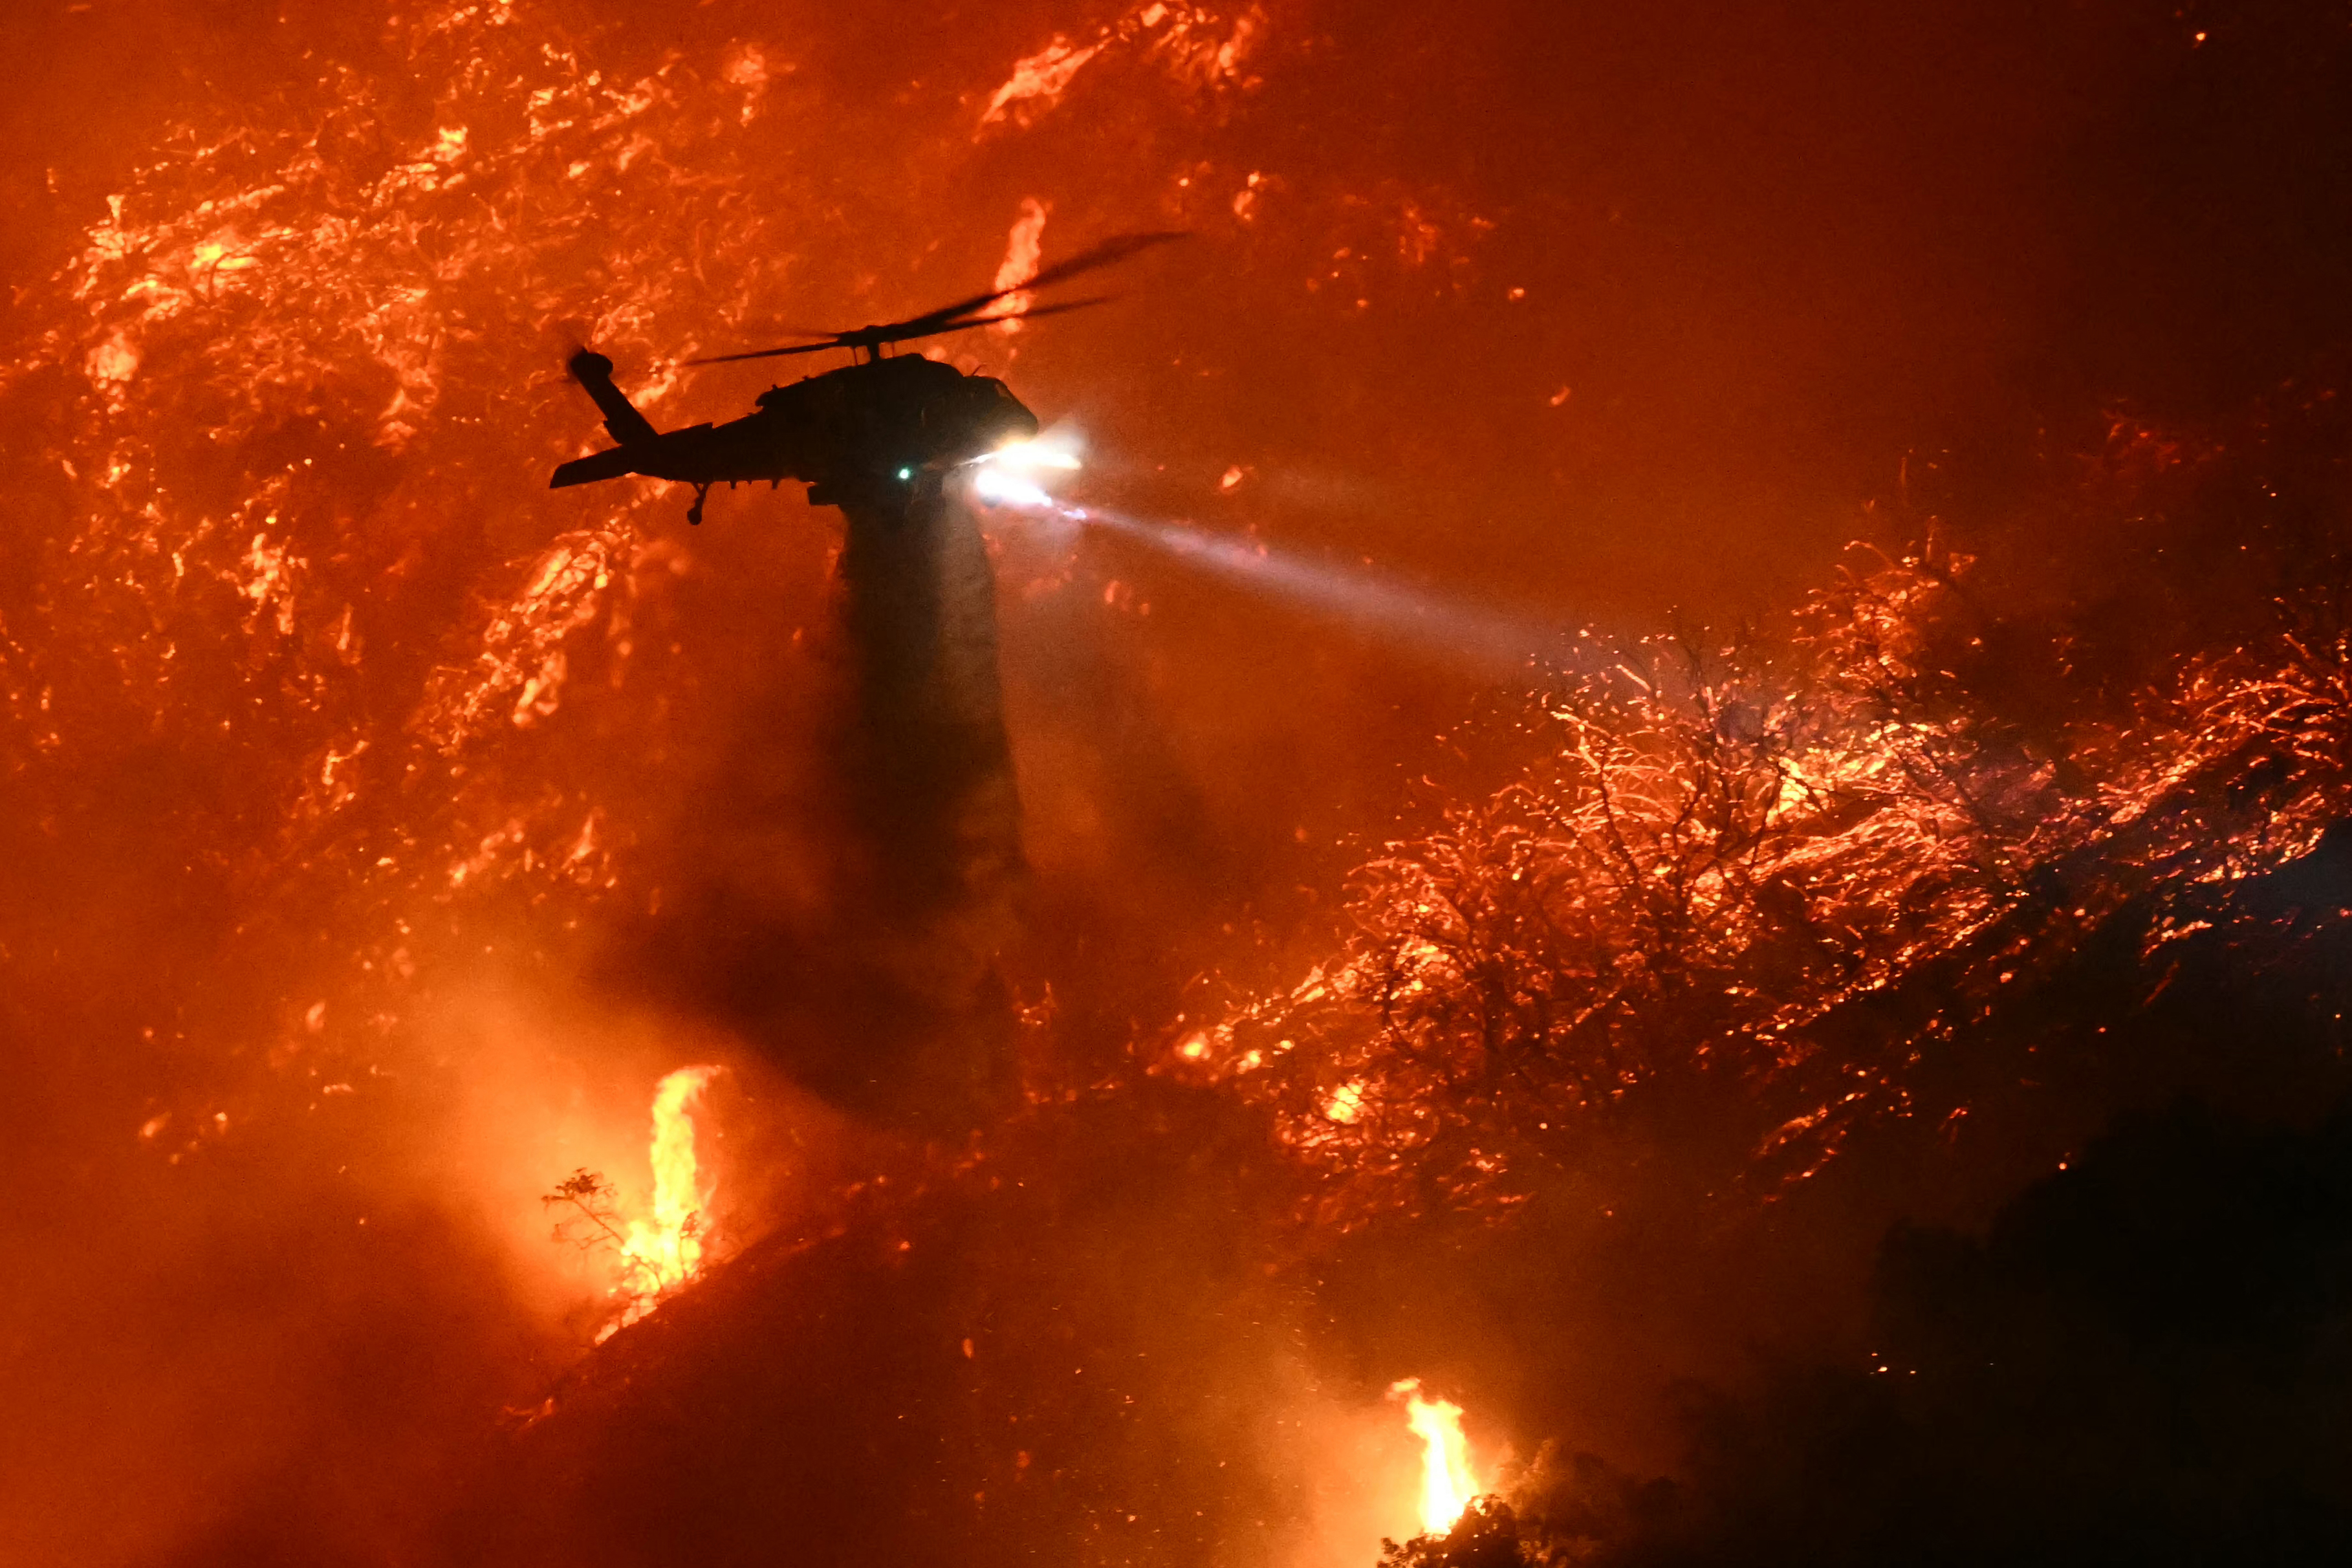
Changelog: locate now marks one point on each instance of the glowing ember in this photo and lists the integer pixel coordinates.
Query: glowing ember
(1446, 1486)
(666, 1252)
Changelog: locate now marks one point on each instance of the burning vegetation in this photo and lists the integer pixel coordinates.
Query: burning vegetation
(1856, 1077)
(1809, 877)
(651, 1258)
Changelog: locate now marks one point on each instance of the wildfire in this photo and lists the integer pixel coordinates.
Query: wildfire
(665, 1254)
(1446, 1486)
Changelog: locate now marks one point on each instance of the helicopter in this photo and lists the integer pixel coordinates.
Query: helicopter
(865, 435)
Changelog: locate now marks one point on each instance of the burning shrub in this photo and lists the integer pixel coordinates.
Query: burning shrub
(651, 1259)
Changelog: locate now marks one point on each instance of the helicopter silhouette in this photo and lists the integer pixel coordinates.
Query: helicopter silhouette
(866, 435)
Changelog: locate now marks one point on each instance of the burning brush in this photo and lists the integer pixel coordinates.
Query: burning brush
(654, 1256)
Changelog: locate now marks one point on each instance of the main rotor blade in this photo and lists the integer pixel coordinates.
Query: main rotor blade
(960, 324)
(833, 342)
(970, 321)
(867, 337)
(1119, 247)
(955, 318)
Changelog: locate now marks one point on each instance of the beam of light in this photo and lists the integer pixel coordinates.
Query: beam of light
(1462, 632)
(1005, 486)
(1013, 475)
(1056, 447)
(1446, 1485)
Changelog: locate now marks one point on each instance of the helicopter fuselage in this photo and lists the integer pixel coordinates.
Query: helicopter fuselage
(862, 433)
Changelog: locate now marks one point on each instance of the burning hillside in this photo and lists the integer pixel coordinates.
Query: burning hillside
(1380, 1005)
(1815, 881)
(1905, 935)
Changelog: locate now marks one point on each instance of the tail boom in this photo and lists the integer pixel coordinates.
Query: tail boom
(610, 464)
(595, 372)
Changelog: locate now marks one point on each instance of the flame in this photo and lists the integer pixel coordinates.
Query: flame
(1023, 248)
(1189, 43)
(1042, 76)
(1446, 1486)
(665, 1254)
